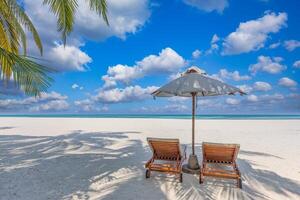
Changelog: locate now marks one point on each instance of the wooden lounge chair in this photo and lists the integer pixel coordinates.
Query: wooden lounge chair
(214, 155)
(167, 156)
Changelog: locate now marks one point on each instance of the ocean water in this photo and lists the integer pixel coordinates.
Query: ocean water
(149, 116)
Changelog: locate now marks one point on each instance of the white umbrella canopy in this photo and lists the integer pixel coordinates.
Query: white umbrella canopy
(194, 82)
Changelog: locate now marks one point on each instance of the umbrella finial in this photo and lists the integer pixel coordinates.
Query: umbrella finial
(194, 69)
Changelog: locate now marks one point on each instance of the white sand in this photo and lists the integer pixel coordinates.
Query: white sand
(60, 158)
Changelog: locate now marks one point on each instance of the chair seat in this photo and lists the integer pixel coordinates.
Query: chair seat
(167, 156)
(220, 173)
(219, 160)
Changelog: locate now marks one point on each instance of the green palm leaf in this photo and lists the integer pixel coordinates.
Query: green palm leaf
(30, 76)
(64, 10)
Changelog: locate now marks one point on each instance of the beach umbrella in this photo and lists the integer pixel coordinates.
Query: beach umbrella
(195, 83)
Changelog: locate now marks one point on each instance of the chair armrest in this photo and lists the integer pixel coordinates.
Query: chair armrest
(148, 162)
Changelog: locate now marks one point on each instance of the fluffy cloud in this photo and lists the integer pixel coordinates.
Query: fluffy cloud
(235, 75)
(166, 62)
(291, 45)
(267, 98)
(208, 6)
(55, 105)
(287, 82)
(262, 86)
(297, 64)
(76, 86)
(9, 88)
(252, 98)
(87, 105)
(68, 58)
(52, 101)
(125, 17)
(128, 94)
(274, 45)
(252, 35)
(245, 88)
(214, 39)
(267, 64)
(175, 108)
(213, 44)
(232, 101)
(196, 54)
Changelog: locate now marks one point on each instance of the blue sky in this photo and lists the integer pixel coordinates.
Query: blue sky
(251, 44)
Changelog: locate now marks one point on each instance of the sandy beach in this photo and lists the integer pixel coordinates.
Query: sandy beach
(84, 158)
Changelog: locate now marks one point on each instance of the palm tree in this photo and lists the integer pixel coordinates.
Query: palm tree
(15, 65)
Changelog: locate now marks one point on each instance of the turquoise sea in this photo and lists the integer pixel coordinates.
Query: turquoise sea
(233, 117)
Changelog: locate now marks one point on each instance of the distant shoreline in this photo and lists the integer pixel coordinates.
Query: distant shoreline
(149, 116)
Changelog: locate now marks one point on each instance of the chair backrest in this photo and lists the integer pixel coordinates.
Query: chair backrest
(220, 152)
(165, 149)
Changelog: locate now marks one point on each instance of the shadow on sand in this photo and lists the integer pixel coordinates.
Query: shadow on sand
(109, 165)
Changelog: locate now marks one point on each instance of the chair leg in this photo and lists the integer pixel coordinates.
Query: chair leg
(147, 173)
(239, 183)
(200, 178)
(180, 178)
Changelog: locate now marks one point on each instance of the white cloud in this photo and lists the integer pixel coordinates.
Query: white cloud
(235, 75)
(88, 105)
(287, 82)
(214, 39)
(245, 88)
(291, 45)
(167, 62)
(207, 103)
(262, 86)
(267, 64)
(128, 94)
(175, 108)
(9, 88)
(213, 45)
(274, 45)
(55, 105)
(271, 97)
(125, 17)
(252, 35)
(178, 99)
(252, 98)
(263, 99)
(76, 86)
(297, 64)
(196, 54)
(208, 6)
(232, 101)
(52, 101)
(68, 58)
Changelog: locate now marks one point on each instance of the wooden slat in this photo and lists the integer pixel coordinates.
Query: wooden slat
(220, 154)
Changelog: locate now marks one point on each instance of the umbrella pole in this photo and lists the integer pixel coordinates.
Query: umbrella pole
(193, 123)
(192, 166)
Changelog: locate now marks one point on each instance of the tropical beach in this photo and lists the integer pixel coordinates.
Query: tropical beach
(102, 158)
(149, 99)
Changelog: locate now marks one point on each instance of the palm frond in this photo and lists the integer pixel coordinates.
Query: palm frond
(100, 6)
(28, 75)
(23, 19)
(64, 10)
